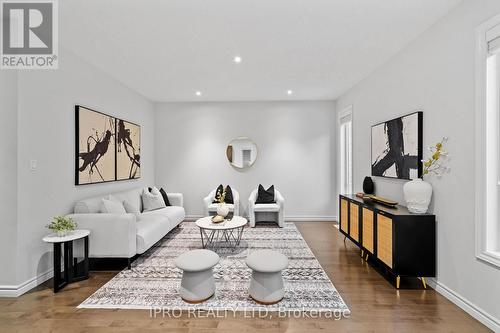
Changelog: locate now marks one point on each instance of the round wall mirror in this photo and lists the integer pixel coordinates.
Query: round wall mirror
(241, 153)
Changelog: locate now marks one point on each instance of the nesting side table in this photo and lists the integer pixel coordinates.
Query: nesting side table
(73, 270)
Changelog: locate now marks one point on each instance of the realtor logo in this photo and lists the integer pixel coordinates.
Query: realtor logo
(29, 34)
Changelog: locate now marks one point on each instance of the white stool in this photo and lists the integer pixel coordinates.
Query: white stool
(197, 283)
(266, 286)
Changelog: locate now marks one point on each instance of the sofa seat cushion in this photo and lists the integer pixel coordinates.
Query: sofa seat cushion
(174, 214)
(267, 207)
(150, 229)
(213, 207)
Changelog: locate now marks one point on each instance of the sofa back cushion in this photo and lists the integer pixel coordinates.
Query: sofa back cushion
(93, 205)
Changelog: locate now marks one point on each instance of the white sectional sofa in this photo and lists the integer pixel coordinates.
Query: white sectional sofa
(125, 235)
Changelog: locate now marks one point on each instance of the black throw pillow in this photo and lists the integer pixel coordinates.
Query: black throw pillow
(165, 197)
(163, 194)
(218, 193)
(229, 195)
(265, 196)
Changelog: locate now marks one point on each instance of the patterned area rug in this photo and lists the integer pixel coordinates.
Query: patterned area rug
(154, 280)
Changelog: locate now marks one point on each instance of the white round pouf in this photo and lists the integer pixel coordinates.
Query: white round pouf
(266, 285)
(197, 283)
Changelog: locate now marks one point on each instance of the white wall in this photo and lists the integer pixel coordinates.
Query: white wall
(47, 134)
(436, 74)
(295, 152)
(8, 175)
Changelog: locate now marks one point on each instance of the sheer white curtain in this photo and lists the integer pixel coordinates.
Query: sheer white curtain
(345, 121)
(493, 146)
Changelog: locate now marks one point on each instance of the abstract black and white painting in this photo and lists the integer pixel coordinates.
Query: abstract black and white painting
(128, 150)
(397, 147)
(95, 147)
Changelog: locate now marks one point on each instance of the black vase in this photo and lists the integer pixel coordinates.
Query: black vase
(368, 186)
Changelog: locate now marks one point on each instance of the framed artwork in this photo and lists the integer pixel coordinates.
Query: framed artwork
(396, 150)
(128, 150)
(95, 147)
(107, 149)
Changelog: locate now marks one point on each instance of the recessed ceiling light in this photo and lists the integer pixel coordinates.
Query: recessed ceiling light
(289, 92)
(237, 59)
(198, 93)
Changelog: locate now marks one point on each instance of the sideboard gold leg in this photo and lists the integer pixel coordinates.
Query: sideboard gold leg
(362, 253)
(423, 282)
(345, 237)
(398, 281)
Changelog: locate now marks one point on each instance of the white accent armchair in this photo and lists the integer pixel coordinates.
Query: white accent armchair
(210, 208)
(266, 212)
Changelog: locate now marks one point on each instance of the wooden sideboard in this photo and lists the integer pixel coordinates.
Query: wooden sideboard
(403, 242)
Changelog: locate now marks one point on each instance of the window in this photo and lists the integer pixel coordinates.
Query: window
(345, 129)
(488, 142)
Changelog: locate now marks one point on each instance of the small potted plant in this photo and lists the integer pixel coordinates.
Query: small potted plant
(222, 208)
(418, 192)
(62, 225)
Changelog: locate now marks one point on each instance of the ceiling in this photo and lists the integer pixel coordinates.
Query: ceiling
(168, 49)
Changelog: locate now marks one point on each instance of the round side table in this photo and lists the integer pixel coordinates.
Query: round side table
(73, 270)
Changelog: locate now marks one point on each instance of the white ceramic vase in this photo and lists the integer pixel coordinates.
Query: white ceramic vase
(222, 209)
(62, 233)
(417, 195)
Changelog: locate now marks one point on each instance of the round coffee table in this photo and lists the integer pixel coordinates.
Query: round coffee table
(229, 231)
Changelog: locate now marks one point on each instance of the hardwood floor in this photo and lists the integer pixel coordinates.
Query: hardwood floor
(375, 304)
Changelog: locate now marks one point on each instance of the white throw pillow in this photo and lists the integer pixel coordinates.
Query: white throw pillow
(112, 207)
(152, 201)
(131, 209)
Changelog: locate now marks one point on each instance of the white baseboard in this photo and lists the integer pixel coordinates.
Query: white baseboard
(310, 218)
(291, 218)
(16, 291)
(472, 309)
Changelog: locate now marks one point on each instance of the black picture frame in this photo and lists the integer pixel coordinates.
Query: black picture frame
(419, 141)
(114, 152)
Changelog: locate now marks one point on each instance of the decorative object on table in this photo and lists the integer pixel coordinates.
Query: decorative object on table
(217, 219)
(222, 207)
(241, 153)
(107, 148)
(380, 200)
(215, 234)
(368, 198)
(62, 225)
(397, 147)
(73, 270)
(368, 186)
(232, 200)
(418, 193)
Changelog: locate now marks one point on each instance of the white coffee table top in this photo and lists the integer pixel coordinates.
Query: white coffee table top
(235, 222)
(77, 234)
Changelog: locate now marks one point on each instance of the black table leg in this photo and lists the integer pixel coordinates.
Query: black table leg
(81, 269)
(59, 282)
(73, 271)
(86, 256)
